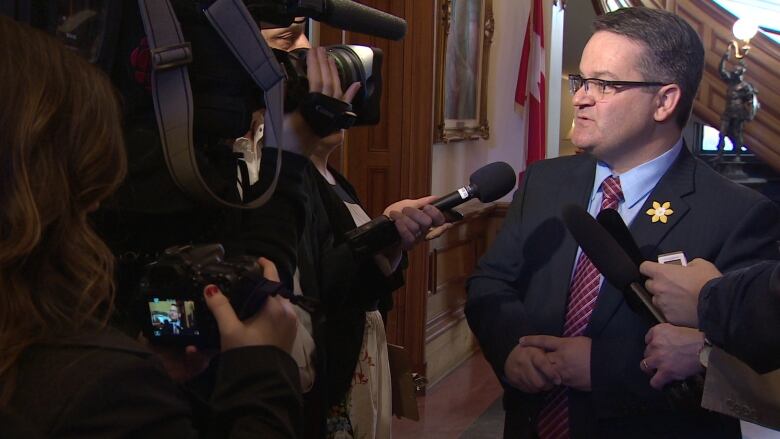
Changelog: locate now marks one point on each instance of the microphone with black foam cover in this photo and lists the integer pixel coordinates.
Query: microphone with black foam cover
(487, 183)
(611, 220)
(618, 269)
(609, 258)
(355, 17)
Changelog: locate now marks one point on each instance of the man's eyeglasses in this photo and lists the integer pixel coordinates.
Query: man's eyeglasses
(599, 88)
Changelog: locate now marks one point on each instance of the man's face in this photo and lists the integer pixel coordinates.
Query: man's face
(289, 39)
(286, 38)
(173, 313)
(622, 121)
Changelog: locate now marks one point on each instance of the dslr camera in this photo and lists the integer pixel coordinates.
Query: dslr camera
(171, 291)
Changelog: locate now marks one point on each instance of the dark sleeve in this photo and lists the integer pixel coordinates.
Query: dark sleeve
(345, 279)
(274, 229)
(494, 307)
(128, 396)
(257, 396)
(740, 312)
(753, 238)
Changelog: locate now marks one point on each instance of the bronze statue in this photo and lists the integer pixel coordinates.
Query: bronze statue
(741, 105)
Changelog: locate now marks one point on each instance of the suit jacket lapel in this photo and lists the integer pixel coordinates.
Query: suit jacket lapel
(673, 186)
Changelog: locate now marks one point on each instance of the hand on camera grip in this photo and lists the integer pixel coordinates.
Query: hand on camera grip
(274, 325)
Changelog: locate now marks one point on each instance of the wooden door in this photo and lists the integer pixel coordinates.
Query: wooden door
(392, 160)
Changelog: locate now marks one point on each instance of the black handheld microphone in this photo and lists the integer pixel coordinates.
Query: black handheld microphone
(611, 220)
(487, 183)
(619, 270)
(355, 17)
(609, 257)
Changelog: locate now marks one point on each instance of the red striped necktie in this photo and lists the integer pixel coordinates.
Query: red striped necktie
(554, 417)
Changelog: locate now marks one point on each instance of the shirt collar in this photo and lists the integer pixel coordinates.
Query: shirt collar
(637, 182)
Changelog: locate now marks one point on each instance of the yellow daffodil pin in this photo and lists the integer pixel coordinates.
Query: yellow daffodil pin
(660, 212)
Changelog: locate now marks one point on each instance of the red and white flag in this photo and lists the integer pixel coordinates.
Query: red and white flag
(531, 84)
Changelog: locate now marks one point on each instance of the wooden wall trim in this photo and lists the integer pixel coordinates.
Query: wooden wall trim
(443, 321)
(453, 259)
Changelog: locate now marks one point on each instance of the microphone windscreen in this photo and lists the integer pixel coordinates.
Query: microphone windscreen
(493, 181)
(611, 220)
(355, 17)
(605, 253)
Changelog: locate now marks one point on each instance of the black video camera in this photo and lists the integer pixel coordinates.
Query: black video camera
(361, 64)
(173, 307)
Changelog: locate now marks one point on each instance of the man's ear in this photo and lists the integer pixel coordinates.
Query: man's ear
(667, 100)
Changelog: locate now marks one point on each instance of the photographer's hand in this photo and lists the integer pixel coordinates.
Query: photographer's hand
(274, 325)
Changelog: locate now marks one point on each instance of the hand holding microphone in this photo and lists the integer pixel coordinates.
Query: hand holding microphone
(487, 183)
(413, 219)
(675, 288)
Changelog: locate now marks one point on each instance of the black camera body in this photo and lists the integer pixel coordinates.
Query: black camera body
(171, 293)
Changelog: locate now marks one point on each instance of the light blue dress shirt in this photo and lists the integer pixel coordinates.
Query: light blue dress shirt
(636, 184)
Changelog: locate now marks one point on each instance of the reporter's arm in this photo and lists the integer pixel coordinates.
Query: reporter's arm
(740, 313)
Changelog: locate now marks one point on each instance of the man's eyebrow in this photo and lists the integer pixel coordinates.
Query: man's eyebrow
(600, 74)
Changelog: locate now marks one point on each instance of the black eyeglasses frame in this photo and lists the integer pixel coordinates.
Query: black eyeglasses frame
(607, 83)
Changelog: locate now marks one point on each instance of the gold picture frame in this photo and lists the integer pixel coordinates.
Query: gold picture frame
(464, 36)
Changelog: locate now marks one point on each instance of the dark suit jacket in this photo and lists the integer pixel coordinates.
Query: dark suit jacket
(521, 287)
(108, 386)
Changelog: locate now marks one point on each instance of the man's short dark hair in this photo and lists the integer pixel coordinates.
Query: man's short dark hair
(674, 52)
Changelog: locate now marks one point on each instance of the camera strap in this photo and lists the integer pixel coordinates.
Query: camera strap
(172, 93)
(326, 115)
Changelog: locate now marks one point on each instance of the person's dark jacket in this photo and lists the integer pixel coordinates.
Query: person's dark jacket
(108, 386)
(740, 312)
(347, 284)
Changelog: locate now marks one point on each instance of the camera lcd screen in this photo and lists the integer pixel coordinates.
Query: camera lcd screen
(172, 317)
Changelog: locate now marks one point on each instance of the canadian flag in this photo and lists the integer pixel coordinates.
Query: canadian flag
(531, 84)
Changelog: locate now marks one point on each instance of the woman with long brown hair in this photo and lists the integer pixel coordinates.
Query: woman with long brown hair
(63, 371)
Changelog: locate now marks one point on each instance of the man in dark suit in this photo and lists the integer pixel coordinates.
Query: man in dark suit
(565, 344)
(173, 325)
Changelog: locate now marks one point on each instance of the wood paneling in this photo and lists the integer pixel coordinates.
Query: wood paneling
(392, 160)
(714, 24)
(448, 339)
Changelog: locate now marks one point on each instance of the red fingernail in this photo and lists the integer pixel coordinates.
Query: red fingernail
(211, 290)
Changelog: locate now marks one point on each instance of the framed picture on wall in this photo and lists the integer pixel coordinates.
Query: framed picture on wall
(465, 35)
